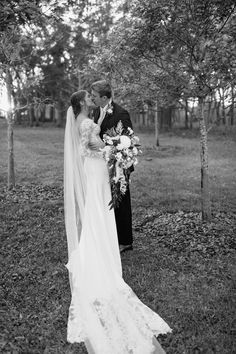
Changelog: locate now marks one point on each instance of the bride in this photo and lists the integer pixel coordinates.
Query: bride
(104, 313)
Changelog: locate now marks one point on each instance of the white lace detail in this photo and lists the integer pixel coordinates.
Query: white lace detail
(90, 134)
(122, 324)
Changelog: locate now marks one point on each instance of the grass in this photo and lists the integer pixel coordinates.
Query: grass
(180, 267)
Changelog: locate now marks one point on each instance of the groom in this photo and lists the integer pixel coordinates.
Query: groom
(107, 115)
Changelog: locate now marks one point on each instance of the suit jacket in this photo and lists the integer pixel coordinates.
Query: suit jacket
(111, 120)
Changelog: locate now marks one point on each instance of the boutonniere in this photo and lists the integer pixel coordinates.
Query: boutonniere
(109, 109)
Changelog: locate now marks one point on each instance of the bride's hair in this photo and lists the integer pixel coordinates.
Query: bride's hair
(75, 100)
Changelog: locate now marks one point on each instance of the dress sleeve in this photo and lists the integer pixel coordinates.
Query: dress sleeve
(87, 132)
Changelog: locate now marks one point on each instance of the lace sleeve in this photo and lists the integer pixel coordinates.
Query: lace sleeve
(87, 136)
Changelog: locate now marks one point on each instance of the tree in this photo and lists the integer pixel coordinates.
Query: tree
(21, 21)
(13, 15)
(171, 47)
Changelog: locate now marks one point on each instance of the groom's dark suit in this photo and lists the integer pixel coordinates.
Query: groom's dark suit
(123, 212)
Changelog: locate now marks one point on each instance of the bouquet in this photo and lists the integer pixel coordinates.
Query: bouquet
(120, 152)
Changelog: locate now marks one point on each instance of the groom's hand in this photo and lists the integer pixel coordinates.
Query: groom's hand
(92, 146)
(95, 145)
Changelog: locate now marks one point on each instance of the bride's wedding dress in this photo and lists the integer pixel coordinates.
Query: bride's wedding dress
(105, 313)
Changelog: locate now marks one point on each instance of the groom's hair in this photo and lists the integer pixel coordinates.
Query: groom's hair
(102, 87)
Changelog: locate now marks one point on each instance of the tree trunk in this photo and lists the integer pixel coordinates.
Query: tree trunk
(37, 115)
(157, 143)
(140, 119)
(10, 140)
(168, 117)
(232, 106)
(11, 170)
(223, 107)
(60, 113)
(186, 114)
(205, 194)
(218, 120)
(191, 118)
(30, 114)
(209, 120)
(217, 106)
(146, 118)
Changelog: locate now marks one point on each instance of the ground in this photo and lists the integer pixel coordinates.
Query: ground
(181, 267)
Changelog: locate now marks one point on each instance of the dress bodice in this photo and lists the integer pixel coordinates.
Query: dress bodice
(89, 133)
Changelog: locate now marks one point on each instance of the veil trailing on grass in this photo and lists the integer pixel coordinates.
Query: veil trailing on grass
(74, 182)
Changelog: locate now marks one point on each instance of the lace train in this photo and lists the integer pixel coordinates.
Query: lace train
(118, 323)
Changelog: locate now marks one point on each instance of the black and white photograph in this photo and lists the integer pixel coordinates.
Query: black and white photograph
(117, 176)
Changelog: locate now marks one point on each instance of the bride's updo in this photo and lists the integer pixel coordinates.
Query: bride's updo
(75, 100)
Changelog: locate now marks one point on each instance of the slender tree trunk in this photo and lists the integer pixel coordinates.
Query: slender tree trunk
(146, 118)
(205, 194)
(209, 120)
(60, 114)
(140, 119)
(232, 106)
(214, 109)
(11, 169)
(223, 107)
(157, 142)
(37, 115)
(217, 103)
(178, 115)
(30, 113)
(218, 120)
(10, 138)
(191, 118)
(168, 117)
(186, 114)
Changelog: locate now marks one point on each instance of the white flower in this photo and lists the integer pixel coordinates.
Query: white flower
(125, 141)
(130, 130)
(109, 141)
(110, 110)
(130, 153)
(119, 156)
(135, 151)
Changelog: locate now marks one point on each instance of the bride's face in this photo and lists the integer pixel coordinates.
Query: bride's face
(88, 101)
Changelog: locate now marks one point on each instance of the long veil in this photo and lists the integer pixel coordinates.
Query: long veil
(74, 183)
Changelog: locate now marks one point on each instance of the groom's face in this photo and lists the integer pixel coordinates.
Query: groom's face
(98, 100)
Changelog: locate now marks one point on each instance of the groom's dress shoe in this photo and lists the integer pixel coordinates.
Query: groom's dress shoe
(124, 248)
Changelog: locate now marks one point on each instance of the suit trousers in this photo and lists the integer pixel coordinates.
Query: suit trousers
(123, 217)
